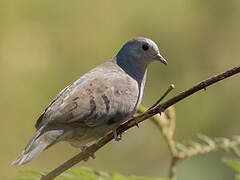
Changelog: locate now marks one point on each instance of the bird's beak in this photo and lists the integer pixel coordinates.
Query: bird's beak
(160, 58)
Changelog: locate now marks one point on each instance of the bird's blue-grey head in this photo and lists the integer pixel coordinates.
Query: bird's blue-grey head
(140, 50)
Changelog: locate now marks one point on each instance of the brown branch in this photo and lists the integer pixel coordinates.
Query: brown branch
(171, 87)
(132, 122)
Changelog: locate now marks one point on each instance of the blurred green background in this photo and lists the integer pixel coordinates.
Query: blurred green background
(45, 45)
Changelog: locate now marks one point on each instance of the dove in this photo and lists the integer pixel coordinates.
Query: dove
(97, 103)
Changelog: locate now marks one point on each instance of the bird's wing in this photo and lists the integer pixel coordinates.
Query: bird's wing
(104, 95)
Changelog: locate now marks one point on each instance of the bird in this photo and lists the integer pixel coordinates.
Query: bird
(96, 103)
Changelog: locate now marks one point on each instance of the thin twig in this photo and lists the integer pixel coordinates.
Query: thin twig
(166, 125)
(132, 122)
(142, 109)
(189, 151)
(171, 117)
(171, 87)
(225, 144)
(172, 169)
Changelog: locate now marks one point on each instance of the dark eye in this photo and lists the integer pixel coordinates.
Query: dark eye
(145, 47)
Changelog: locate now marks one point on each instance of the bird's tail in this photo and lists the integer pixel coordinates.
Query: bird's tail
(39, 142)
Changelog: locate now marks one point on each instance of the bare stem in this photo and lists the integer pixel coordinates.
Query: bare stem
(171, 87)
(172, 169)
(218, 143)
(132, 122)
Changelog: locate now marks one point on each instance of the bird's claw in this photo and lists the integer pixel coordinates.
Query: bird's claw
(116, 136)
(136, 124)
(83, 148)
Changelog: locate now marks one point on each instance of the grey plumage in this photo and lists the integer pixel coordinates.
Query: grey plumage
(97, 102)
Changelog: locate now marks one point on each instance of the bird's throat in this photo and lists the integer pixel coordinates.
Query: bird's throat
(133, 67)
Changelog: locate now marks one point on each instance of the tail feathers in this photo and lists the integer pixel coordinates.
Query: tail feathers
(25, 157)
(39, 143)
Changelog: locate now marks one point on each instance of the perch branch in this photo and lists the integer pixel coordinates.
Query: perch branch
(132, 121)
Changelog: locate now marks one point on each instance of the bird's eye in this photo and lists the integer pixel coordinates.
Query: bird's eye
(145, 47)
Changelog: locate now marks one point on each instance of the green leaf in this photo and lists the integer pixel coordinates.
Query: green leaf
(28, 175)
(82, 173)
(233, 163)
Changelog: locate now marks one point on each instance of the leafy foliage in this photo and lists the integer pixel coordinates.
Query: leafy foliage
(235, 164)
(82, 173)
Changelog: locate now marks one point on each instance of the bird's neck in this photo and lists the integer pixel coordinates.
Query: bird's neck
(134, 67)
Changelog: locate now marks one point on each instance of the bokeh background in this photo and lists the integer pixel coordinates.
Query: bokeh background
(45, 45)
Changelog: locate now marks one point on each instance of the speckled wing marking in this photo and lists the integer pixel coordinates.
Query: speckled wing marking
(102, 95)
(40, 119)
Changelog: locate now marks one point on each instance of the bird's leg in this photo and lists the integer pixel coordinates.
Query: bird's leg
(117, 136)
(83, 148)
(136, 124)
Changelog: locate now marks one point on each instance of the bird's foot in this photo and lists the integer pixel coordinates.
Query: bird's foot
(161, 110)
(83, 148)
(117, 136)
(136, 124)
